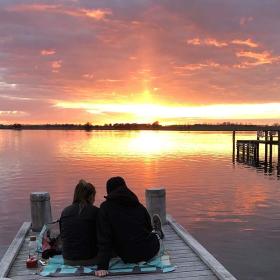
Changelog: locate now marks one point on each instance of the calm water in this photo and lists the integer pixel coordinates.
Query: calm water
(233, 210)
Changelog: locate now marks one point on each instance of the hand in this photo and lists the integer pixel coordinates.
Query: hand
(101, 273)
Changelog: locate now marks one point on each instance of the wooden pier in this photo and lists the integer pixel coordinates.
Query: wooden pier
(248, 151)
(191, 259)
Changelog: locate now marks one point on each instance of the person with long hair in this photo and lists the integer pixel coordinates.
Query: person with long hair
(78, 227)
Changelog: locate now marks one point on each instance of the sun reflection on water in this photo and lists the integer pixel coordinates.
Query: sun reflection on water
(147, 144)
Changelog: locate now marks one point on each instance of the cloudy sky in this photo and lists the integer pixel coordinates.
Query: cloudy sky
(104, 61)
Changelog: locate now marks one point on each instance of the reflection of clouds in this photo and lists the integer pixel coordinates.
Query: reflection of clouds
(243, 200)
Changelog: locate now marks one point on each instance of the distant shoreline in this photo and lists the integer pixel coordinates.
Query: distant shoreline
(153, 127)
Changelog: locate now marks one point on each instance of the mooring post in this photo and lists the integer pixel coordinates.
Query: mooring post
(40, 210)
(156, 202)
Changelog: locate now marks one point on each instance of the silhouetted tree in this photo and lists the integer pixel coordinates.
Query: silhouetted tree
(88, 126)
(17, 126)
(156, 123)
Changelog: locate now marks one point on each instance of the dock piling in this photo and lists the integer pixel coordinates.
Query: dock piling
(233, 146)
(270, 150)
(156, 202)
(265, 147)
(40, 210)
(278, 161)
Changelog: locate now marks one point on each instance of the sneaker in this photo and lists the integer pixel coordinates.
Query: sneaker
(157, 226)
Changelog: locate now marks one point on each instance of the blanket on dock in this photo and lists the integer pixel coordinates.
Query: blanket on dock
(57, 268)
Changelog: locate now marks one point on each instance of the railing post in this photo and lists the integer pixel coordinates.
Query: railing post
(40, 210)
(156, 202)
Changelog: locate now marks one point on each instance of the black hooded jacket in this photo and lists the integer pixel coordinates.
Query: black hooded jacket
(124, 226)
(78, 232)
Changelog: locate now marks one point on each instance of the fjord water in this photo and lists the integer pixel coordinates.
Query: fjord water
(233, 210)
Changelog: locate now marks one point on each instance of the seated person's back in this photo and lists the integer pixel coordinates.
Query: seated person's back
(78, 226)
(124, 226)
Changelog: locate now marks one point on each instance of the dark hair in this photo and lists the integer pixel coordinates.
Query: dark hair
(115, 183)
(83, 192)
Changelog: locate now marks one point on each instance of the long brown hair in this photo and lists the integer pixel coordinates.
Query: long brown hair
(83, 193)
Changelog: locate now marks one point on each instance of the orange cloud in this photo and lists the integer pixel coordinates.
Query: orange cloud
(88, 76)
(48, 52)
(3, 84)
(109, 80)
(155, 111)
(13, 113)
(215, 43)
(196, 66)
(245, 20)
(249, 42)
(97, 14)
(56, 65)
(194, 41)
(260, 58)
(207, 42)
(33, 7)
(219, 44)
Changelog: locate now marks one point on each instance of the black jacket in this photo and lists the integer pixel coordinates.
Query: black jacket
(124, 226)
(78, 232)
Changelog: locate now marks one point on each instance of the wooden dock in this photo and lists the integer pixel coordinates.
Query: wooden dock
(248, 151)
(192, 260)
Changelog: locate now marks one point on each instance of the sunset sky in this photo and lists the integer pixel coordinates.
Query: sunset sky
(176, 61)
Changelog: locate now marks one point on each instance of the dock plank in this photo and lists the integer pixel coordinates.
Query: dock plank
(220, 271)
(11, 253)
(187, 259)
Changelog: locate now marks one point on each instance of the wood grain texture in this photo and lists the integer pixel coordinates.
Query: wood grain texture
(13, 250)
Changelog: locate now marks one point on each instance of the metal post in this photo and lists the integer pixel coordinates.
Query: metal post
(40, 210)
(156, 202)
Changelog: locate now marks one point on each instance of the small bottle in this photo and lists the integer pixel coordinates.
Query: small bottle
(32, 260)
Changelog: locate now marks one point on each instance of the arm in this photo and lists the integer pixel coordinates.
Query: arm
(104, 240)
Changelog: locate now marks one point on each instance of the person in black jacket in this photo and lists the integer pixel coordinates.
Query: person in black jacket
(78, 227)
(124, 228)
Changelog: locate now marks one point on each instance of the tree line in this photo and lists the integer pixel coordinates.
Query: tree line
(225, 126)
